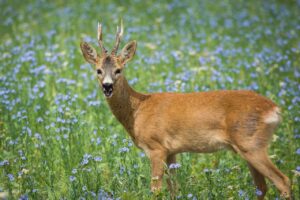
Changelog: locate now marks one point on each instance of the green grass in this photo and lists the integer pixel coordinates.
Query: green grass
(58, 138)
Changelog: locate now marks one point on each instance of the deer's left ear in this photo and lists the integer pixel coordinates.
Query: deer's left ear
(128, 52)
(89, 53)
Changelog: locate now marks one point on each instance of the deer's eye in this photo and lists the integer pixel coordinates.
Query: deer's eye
(99, 71)
(118, 71)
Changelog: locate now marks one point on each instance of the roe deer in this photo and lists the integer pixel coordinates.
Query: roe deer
(165, 124)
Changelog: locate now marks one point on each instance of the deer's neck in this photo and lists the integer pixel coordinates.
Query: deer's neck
(124, 103)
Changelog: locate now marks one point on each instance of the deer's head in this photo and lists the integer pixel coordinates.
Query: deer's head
(108, 66)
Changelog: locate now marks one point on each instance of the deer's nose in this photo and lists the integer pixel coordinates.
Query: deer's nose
(107, 86)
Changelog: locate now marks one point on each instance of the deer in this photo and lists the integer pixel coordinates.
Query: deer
(168, 123)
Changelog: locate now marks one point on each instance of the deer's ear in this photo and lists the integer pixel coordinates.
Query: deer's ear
(89, 53)
(128, 51)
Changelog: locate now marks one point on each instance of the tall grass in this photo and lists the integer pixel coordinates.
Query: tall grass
(58, 139)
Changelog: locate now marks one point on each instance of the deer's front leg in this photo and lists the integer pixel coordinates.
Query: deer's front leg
(158, 160)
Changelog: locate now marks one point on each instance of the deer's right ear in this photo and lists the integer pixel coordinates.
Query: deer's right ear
(89, 53)
(128, 51)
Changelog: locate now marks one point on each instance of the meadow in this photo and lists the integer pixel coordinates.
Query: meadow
(58, 138)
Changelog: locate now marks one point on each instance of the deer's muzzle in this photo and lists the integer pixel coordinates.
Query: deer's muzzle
(107, 89)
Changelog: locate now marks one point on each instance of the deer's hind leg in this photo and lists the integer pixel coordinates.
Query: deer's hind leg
(259, 181)
(250, 140)
(261, 165)
(172, 186)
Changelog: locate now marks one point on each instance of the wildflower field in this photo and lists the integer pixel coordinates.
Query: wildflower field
(58, 138)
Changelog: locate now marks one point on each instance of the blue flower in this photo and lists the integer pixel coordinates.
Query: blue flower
(241, 193)
(124, 150)
(97, 158)
(4, 162)
(174, 166)
(84, 161)
(102, 195)
(98, 141)
(142, 154)
(298, 168)
(122, 169)
(93, 194)
(258, 192)
(130, 144)
(74, 171)
(87, 156)
(72, 178)
(11, 177)
(24, 197)
(38, 136)
(28, 56)
(298, 151)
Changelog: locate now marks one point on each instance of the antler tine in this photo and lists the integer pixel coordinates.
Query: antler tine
(99, 33)
(99, 37)
(119, 35)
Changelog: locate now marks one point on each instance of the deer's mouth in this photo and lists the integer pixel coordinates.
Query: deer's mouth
(108, 94)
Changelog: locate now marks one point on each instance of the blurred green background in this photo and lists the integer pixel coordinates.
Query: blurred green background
(58, 138)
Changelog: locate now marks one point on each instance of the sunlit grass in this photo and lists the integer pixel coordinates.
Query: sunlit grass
(58, 139)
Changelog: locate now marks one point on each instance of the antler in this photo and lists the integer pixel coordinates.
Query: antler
(118, 39)
(99, 36)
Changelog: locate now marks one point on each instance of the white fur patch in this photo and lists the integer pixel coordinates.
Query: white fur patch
(107, 80)
(273, 117)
